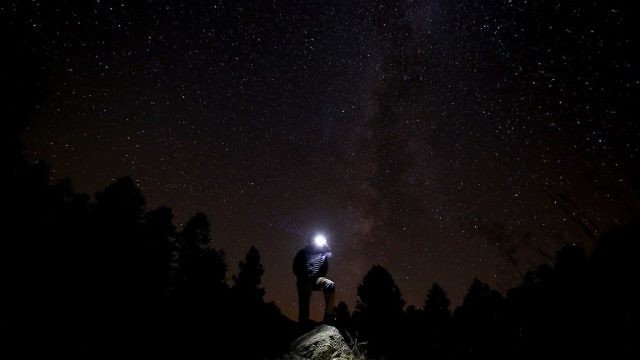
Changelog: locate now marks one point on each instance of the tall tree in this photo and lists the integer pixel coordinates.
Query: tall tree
(436, 306)
(121, 203)
(160, 233)
(202, 269)
(379, 312)
(437, 316)
(118, 229)
(247, 282)
(378, 294)
(480, 321)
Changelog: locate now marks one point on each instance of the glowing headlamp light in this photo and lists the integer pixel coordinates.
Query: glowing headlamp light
(320, 240)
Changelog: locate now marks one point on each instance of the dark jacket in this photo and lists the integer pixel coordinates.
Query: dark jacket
(311, 262)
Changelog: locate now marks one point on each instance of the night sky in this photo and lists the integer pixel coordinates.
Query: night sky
(434, 138)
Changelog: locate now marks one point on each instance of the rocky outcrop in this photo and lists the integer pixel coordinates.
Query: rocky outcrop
(324, 342)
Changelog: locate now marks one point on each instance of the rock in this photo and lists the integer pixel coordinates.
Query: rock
(322, 343)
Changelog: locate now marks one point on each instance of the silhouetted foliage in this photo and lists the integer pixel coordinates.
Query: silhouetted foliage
(479, 321)
(252, 318)
(108, 275)
(437, 318)
(159, 235)
(379, 312)
(247, 282)
(614, 299)
(436, 306)
(378, 294)
(202, 270)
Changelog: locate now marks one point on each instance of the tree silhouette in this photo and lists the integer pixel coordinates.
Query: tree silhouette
(199, 299)
(615, 313)
(571, 261)
(379, 312)
(121, 203)
(433, 323)
(29, 255)
(202, 270)
(160, 233)
(436, 305)
(192, 244)
(479, 321)
(247, 282)
(118, 214)
(117, 258)
(378, 293)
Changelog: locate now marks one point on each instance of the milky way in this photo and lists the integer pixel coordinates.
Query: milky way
(443, 140)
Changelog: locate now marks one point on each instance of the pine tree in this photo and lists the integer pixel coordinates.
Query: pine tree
(159, 232)
(201, 269)
(379, 294)
(379, 312)
(247, 282)
(436, 306)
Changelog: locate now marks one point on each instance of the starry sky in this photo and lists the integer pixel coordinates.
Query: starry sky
(443, 140)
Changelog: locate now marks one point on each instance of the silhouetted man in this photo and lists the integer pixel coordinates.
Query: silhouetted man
(310, 267)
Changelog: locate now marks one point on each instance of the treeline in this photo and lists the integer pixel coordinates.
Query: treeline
(94, 276)
(581, 305)
(108, 275)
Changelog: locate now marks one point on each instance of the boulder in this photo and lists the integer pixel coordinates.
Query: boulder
(324, 342)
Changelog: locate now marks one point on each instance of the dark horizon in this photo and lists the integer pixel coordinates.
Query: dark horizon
(444, 141)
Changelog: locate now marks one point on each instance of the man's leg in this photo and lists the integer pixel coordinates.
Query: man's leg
(304, 296)
(329, 289)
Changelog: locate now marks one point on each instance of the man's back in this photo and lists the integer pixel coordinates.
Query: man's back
(311, 262)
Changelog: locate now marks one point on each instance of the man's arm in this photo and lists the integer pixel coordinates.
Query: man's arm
(324, 268)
